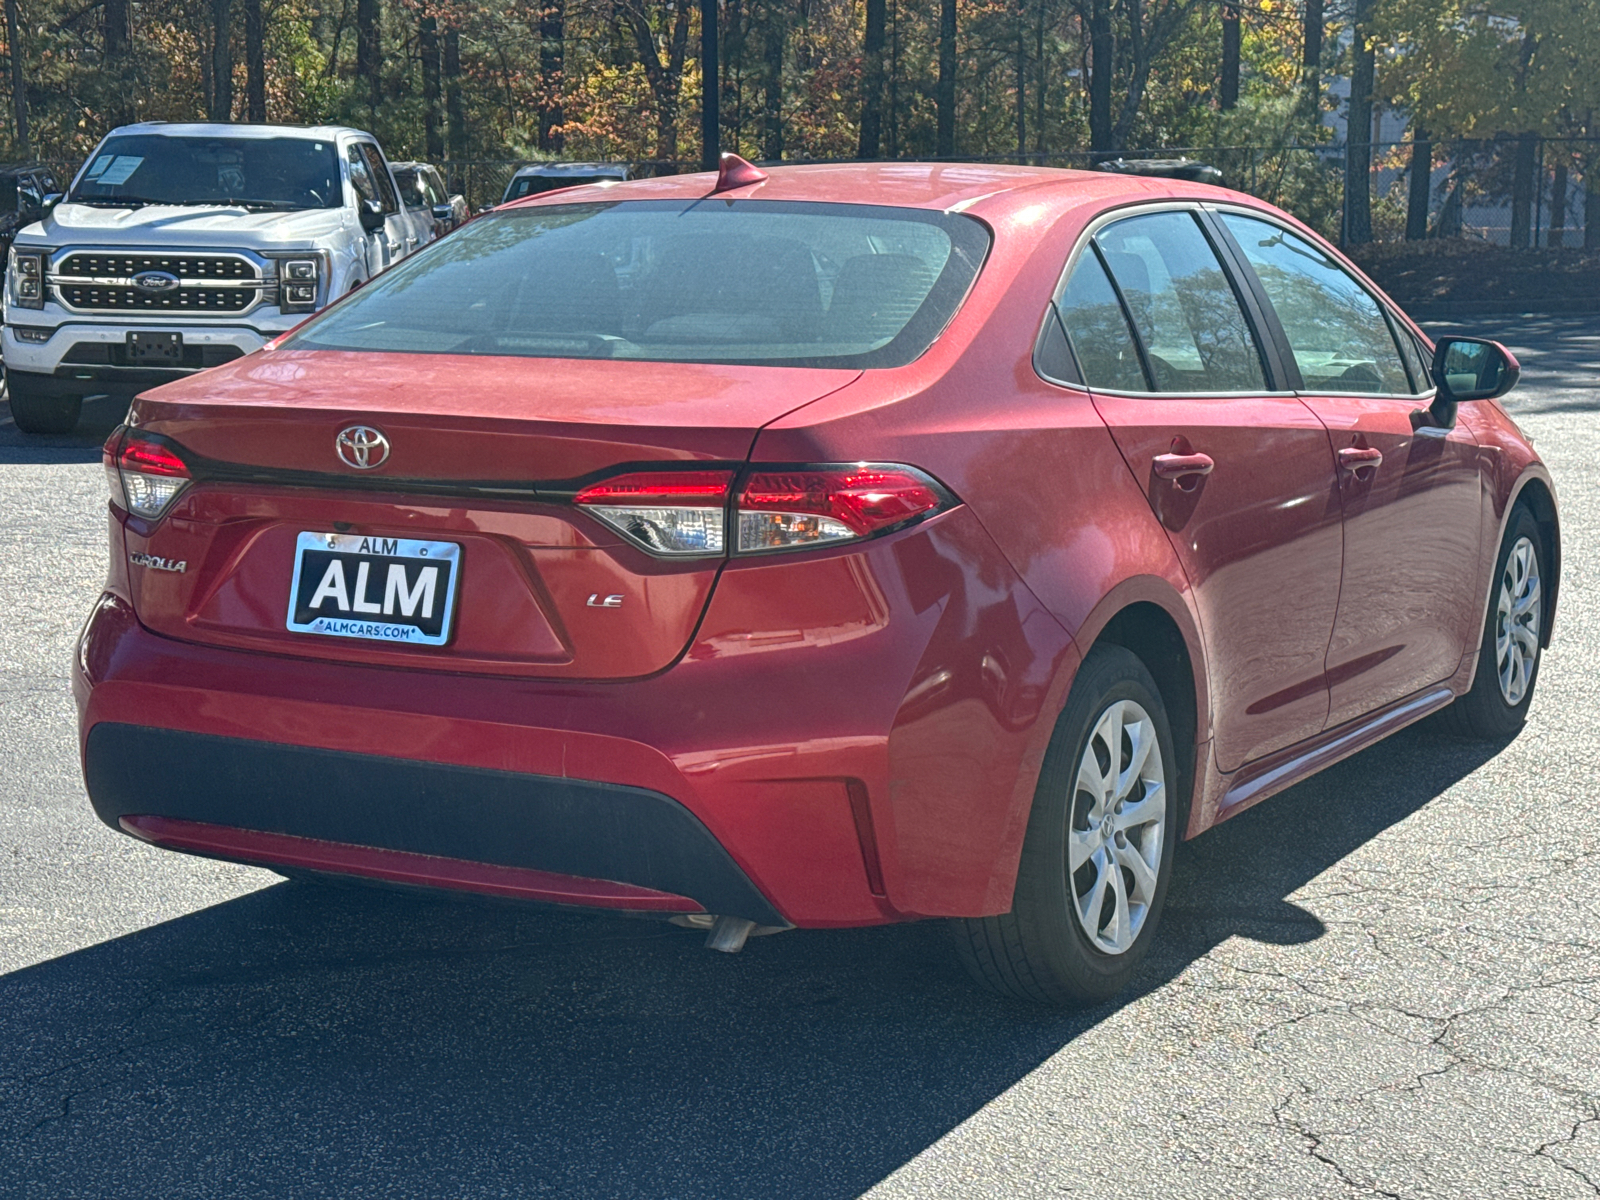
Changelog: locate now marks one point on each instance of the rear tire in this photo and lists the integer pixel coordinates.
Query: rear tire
(1075, 936)
(37, 411)
(1509, 655)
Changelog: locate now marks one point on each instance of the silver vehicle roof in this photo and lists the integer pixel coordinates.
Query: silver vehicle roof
(615, 170)
(326, 133)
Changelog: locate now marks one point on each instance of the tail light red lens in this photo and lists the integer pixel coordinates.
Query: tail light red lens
(145, 475)
(674, 513)
(789, 510)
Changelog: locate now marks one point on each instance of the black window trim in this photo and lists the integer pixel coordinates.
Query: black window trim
(1271, 358)
(1395, 324)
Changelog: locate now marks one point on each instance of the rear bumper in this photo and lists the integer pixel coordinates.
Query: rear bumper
(564, 840)
(857, 734)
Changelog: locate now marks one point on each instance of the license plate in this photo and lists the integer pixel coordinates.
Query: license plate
(376, 588)
(152, 349)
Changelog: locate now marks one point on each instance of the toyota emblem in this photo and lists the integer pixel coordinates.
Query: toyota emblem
(361, 447)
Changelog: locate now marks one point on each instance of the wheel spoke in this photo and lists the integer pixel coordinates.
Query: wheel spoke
(1081, 845)
(1091, 780)
(1152, 807)
(1142, 735)
(1119, 932)
(1144, 878)
(1089, 906)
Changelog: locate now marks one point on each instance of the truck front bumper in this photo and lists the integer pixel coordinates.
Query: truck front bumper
(81, 358)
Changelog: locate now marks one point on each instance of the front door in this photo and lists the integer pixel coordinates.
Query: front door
(1410, 607)
(1238, 471)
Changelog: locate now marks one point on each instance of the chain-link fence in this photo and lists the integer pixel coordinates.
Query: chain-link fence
(1518, 192)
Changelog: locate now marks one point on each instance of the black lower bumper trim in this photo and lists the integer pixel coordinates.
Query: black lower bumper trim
(572, 827)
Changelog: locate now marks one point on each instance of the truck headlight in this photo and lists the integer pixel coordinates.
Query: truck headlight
(299, 284)
(27, 278)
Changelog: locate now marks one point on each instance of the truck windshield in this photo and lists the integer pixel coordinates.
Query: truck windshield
(746, 281)
(269, 173)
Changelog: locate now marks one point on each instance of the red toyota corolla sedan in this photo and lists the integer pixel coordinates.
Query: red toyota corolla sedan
(848, 545)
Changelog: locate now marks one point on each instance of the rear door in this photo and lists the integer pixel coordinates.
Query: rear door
(1411, 495)
(1237, 469)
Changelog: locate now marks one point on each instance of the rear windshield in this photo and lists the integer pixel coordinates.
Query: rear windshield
(267, 173)
(700, 281)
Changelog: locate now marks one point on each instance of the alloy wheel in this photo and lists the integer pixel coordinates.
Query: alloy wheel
(1516, 629)
(1118, 823)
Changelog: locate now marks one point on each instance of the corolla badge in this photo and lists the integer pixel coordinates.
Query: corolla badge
(361, 447)
(155, 282)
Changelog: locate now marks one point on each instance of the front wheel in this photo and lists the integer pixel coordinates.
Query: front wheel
(1097, 856)
(38, 411)
(1508, 658)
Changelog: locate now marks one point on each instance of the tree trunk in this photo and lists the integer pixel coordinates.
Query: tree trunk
(710, 102)
(1524, 167)
(255, 64)
(1358, 135)
(1100, 72)
(772, 69)
(552, 72)
(1039, 79)
(1022, 80)
(1421, 193)
(871, 139)
(1558, 206)
(455, 110)
(1591, 206)
(428, 45)
(1228, 93)
(117, 36)
(945, 135)
(369, 48)
(19, 86)
(1311, 60)
(221, 60)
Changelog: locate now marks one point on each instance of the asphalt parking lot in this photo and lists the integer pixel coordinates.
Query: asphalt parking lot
(1384, 982)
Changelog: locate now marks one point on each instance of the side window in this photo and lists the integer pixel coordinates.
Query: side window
(1098, 329)
(380, 175)
(1338, 334)
(1195, 335)
(1418, 361)
(433, 186)
(360, 177)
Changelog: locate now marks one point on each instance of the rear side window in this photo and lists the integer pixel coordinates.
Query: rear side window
(1101, 340)
(1195, 335)
(748, 281)
(1339, 336)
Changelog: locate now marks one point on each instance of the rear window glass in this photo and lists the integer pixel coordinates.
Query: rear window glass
(701, 281)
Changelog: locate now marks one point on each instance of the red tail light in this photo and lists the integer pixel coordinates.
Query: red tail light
(682, 513)
(813, 506)
(145, 475)
(676, 513)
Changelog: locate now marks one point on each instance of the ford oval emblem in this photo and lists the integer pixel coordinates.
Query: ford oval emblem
(361, 447)
(155, 282)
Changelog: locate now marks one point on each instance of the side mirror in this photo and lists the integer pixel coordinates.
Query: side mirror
(371, 214)
(51, 199)
(443, 212)
(1469, 369)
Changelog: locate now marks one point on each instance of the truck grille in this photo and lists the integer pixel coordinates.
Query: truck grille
(90, 281)
(90, 298)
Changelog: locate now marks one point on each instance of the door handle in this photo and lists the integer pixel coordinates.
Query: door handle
(1185, 469)
(1359, 459)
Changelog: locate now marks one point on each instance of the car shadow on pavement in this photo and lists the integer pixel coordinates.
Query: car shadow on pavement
(308, 1040)
(101, 414)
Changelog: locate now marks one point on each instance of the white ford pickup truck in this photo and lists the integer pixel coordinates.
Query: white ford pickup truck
(180, 247)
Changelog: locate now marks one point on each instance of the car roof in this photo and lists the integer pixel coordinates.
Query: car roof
(574, 168)
(226, 129)
(979, 188)
(412, 166)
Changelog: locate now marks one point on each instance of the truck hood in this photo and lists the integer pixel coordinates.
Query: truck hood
(167, 225)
